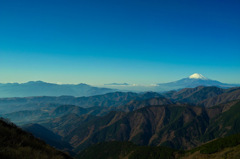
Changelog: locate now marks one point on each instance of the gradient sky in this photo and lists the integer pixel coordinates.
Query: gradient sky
(105, 41)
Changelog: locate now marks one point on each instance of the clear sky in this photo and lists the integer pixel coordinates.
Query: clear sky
(105, 41)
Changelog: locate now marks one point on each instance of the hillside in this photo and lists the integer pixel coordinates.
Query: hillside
(222, 148)
(126, 150)
(227, 148)
(137, 104)
(48, 136)
(16, 143)
(66, 124)
(173, 126)
(226, 123)
(204, 96)
(194, 95)
(229, 95)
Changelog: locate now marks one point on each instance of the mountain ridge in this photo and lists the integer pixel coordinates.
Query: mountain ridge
(40, 88)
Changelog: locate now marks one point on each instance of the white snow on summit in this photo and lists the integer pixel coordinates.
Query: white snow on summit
(197, 76)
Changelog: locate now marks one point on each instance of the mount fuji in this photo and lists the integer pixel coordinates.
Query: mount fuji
(192, 81)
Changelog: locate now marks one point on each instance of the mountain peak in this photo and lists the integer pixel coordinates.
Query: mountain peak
(197, 76)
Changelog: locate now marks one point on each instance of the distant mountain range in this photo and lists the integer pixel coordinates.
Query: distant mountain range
(40, 88)
(192, 81)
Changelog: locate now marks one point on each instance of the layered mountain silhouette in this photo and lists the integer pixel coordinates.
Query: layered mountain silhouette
(40, 88)
(204, 96)
(55, 110)
(180, 119)
(153, 121)
(175, 126)
(36, 109)
(114, 99)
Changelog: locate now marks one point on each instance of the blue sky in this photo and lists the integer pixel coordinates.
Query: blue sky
(105, 41)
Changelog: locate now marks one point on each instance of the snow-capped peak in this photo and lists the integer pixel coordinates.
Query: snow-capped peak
(197, 76)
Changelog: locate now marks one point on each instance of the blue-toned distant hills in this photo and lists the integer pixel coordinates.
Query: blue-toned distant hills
(40, 88)
(192, 81)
